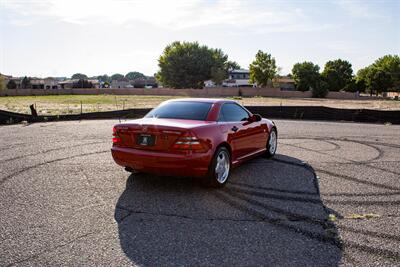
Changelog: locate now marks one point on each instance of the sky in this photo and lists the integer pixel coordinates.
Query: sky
(61, 37)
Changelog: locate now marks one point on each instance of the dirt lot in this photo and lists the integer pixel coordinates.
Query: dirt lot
(71, 104)
(330, 197)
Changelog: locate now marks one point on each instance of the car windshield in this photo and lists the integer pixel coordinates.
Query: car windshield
(186, 110)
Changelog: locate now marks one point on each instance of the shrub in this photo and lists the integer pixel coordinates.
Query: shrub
(11, 85)
(321, 90)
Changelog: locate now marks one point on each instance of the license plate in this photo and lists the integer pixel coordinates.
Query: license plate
(145, 140)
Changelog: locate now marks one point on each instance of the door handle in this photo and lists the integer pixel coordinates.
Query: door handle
(234, 128)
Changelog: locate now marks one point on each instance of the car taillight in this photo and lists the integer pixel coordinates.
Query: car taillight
(116, 139)
(189, 142)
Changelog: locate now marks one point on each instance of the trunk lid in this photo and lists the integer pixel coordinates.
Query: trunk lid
(154, 134)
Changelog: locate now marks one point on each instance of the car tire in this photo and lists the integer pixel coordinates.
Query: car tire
(272, 144)
(220, 168)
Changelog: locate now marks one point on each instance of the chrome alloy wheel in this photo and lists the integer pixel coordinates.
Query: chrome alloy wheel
(272, 142)
(222, 167)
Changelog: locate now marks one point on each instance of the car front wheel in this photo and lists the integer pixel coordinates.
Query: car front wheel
(220, 168)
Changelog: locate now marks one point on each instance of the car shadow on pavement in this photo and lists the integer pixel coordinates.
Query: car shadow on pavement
(269, 213)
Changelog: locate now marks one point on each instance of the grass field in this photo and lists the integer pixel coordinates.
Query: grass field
(71, 104)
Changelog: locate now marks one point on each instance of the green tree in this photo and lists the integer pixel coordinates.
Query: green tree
(232, 65)
(354, 86)
(106, 85)
(26, 83)
(188, 65)
(338, 74)
(218, 75)
(134, 75)
(381, 76)
(220, 66)
(320, 90)
(379, 80)
(11, 84)
(390, 64)
(117, 77)
(359, 86)
(82, 84)
(79, 76)
(362, 79)
(104, 78)
(263, 69)
(306, 75)
(365, 79)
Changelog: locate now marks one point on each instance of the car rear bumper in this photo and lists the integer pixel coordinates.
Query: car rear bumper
(161, 163)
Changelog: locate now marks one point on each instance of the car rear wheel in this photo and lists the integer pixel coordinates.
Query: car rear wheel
(220, 168)
(272, 143)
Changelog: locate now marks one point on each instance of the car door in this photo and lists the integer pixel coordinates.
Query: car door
(234, 120)
(257, 133)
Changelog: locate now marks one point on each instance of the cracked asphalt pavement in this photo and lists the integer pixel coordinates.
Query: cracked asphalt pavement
(331, 196)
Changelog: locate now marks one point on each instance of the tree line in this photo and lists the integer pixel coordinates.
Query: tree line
(189, 64)
(115, 77)
(104, 79)
(381, 76)
(82, 80)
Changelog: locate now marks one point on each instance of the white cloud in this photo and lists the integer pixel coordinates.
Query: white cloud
(359, 9)
(172, 15)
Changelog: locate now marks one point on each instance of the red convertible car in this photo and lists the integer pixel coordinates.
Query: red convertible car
(193, 137)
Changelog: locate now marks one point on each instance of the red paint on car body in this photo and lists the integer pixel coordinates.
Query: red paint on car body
(184, 147)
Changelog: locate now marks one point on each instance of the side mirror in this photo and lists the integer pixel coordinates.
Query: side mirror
(255, 117)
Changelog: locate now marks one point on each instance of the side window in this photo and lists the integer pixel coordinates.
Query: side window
(231, 112)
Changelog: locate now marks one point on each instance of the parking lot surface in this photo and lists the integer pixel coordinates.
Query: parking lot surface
(331, 196)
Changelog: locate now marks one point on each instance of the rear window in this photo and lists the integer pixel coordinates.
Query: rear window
(185, 110)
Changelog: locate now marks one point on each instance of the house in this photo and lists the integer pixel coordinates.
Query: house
(46, 83)
(34, 82)
(51, 83)
(120, 84)
(238, 78)
(66, 84)
(6, 78)
(393, 95)
(286, 83)
(69, 84)
(148, 82)
(16, 80)
(241, 78)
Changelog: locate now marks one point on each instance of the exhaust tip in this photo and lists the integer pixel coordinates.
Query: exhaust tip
(129, 169)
